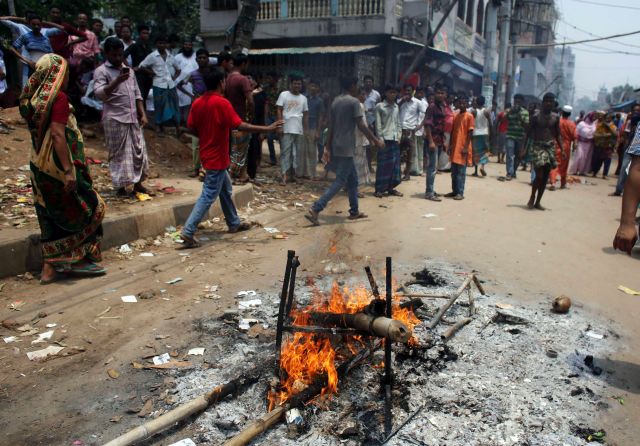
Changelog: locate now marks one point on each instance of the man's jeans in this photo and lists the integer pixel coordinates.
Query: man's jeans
(432, 167)
(622, 178)
(346, 175)
(216, 184)
(290, 144)
(513, 147)
(458, 177)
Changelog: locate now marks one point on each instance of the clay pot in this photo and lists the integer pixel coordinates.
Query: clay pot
(561, 304)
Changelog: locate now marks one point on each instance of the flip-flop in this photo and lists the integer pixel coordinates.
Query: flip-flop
(88, 270)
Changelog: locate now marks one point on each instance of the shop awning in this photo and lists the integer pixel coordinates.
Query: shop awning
(623, 105)
(332, 49)
(468, 68)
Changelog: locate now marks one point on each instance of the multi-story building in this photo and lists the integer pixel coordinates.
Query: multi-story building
(327, 38)
(564, 67)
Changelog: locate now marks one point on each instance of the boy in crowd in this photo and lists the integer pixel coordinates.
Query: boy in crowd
(460, 150)
(388, 128)
(293, 108)
(212, 118)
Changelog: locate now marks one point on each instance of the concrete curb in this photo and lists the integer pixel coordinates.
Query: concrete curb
(25, 254)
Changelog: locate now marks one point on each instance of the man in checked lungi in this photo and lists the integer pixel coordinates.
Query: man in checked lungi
(123, 118)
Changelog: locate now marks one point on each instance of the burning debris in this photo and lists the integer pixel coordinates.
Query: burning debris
(342, 375)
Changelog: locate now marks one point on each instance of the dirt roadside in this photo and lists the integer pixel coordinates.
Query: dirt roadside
(532, 255)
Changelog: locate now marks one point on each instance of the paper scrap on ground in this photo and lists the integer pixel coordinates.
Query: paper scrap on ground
(142, 197)
(9, 339)
(246, 293)
(504, 306)
(272, 230)
(185, 442)
(196, 351)
(16, 305)
(129, 299)
(51, 325)
(42, 354)
(253, 303)
(146, 254)
(429, 215)
(594, 335)
(624, 289)
(162, 359)
(125, 249)
(245, 324)
(436, 229)
(42, 337)
(174, 281)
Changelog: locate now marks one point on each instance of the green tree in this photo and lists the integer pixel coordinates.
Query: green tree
(181, 17)
(622, 93)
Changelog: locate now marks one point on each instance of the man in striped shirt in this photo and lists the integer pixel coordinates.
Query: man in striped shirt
(518, 121)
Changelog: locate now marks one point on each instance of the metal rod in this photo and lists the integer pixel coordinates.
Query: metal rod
(283, 301)
(388, 377)
(372, 281)
(292, 285)
(413, 304)
(324, 330)
(450, 302)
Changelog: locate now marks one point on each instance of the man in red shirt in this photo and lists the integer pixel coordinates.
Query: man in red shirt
(211, 119)
(61, 43)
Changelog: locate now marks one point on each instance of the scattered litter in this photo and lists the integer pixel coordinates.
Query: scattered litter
(280, 236)
(196, 351)
(171, 365)
(174, 281)
(170, 229)
(148, 294)
(246, 293)
(245, 324)
(142, 197)
(504, 306)
(594, 335)
(125, 249)
(436, 229)
(429, 215)
(204, 239)
(147, 254)
(161, 337)
(2, 285)
(624, 289)
(246, 304)
(162, 359)
(42, 337)
(272, 230)
(168, 190)
(294, 416)
(113, 373)
(115, 418)
(130, 299)
(37, 355)
(619, 399)
(51, 325)
(15, 306)
(185, 442)
(106, 310)
(9, 339)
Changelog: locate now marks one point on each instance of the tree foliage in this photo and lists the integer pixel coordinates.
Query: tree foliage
(621, 93)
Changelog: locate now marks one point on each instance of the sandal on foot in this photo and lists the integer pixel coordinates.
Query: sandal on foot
(358, 216)
(312, 216)
(396, 193)
(188, 242)
(90, 269)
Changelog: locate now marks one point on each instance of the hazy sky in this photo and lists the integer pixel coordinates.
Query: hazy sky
(595, 65)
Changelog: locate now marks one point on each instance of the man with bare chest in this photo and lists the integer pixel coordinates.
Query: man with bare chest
(544, 132)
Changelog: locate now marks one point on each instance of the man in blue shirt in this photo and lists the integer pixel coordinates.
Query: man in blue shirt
(36, 41)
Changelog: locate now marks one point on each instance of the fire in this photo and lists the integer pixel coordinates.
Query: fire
(307, 356)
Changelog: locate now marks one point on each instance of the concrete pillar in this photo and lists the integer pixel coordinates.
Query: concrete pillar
(489, 75)
(505, 28)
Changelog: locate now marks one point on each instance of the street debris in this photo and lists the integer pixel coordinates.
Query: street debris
(561, 304)
(43, 337)
(246, 293)
(429, 215)
(130, 299)
(17, 305)
(147, 294)
(593, 334)
(38, 355)
(185, 442)
(246, 304)
(174, 281)
(147, 254)
(272, 230)
(161, 359)
(125, 249)
(630, 291)
(197, 351)
(10, 339)
(113, 373)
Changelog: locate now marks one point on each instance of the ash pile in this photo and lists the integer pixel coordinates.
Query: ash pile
(478, 368)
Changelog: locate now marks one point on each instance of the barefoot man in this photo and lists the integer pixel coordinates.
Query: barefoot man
(544, 131)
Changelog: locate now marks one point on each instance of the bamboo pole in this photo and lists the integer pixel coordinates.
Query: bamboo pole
(183, 411)
(479, 285)
(450, 302)
(424, 295)
(380, 326)
(448, 334)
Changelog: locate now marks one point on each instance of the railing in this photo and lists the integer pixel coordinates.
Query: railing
(303, 9)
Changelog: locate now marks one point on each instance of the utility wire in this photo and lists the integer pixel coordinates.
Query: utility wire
(604, 50)
(635, 8)
(595, 35)
(546, 45)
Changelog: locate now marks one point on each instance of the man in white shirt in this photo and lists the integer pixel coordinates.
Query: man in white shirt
(481, 132)
(186, 60)
(418, 160)
(410, 121)
(292, 106)
(371, 99)
(160, 65)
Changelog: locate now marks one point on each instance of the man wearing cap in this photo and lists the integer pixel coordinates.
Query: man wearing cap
(569, 136)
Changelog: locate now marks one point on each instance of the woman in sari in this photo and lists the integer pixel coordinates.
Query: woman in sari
(584, 150)
(604, 141)
(69, 211)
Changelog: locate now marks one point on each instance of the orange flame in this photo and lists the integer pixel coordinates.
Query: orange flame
(306, 356)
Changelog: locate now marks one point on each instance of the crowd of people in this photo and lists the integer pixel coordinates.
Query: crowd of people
(360, 135)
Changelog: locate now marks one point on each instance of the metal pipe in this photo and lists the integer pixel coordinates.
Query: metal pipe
(388, 420)
(283, 301)
(292, 285)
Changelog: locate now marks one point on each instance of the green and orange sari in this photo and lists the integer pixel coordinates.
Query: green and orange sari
(70, 223)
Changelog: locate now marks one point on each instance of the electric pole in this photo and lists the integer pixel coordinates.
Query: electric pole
(490, 51)
(505, 28)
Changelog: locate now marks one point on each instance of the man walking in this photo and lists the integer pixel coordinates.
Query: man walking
(544, 131)
(418, 159)
(123, 117)
(371, 99)
(293, 108)
(481, 132)
(212, 118)
(240, 93)
(434, 125)
(518, 120)
(563, 153)
(346, 114)
(165, 97)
